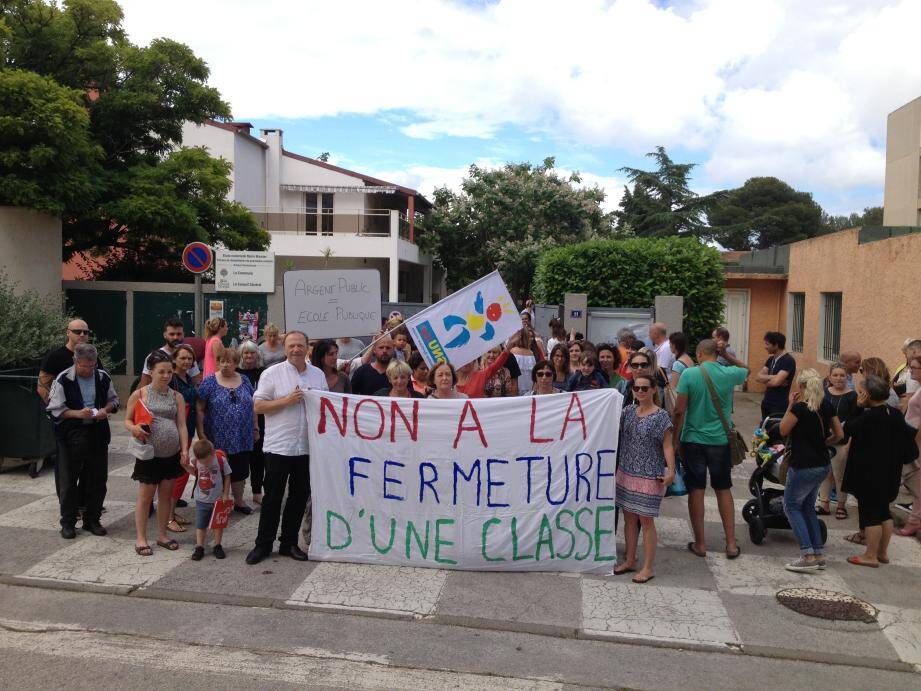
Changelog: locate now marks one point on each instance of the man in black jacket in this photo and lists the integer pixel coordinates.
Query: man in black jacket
(81, 400)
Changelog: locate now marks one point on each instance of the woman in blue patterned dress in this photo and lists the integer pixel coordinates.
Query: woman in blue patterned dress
(225, 418)
(645, 467)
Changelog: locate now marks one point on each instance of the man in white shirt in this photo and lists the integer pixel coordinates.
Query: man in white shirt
(280, 397)
(658, 334)
(349, 348)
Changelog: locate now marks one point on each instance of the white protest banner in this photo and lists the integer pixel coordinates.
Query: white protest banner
(465, 324)
(329, 303)
(500, 484)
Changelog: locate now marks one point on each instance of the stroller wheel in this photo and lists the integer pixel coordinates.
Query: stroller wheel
(823, 529)
(756, 530)
(751, 509)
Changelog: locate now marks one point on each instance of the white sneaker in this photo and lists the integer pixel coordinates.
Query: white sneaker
(803, 566)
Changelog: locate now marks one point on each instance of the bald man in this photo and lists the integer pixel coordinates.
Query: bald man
(851, 362)
(372, 376)
(62, 358)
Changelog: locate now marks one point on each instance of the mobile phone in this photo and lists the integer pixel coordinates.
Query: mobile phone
(145, 428)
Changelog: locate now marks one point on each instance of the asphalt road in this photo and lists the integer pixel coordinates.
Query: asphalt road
(54, 638)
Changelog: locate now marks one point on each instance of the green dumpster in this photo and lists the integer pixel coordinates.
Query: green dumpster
(26, 431)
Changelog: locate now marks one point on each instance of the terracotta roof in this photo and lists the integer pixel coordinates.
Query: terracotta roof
(367, 179)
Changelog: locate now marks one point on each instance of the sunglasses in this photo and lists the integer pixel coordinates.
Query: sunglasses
(80, 332)
(641, 388)
(638, 365)
(545, 374)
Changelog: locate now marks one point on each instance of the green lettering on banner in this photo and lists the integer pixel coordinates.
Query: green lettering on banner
(572, 535)
(439, 542)
(393, 532)
(329, 530)
(599, 532)
(544, 537)
(585, 532)
(410, 532)
(515, 557)
(486, 526)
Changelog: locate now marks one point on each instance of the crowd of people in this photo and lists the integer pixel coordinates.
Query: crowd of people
(853, 432)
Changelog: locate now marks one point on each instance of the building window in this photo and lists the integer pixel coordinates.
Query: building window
(797, 321)
(310, 204)
(327, 214)
(830, 327)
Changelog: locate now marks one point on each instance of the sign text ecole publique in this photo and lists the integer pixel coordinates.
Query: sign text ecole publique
(329, 303)
(504, 484)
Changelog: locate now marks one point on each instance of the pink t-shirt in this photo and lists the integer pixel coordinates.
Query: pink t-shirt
(210, 362)
(913, 413)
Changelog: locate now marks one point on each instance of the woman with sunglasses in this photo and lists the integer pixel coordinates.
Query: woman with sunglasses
(226, 419)
(645, 468)
(642, 362)
(543, 377)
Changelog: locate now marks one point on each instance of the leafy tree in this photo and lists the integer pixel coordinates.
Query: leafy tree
(871, 216)
(661, 203)
(630, 273)
(116, 173)
(504, 218)
(762, 213)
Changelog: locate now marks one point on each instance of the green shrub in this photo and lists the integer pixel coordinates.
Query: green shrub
(630, 273)
(35, 324)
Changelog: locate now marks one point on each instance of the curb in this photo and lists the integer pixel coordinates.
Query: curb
(546, 630)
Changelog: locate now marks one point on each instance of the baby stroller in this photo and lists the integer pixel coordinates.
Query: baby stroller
(765, 510)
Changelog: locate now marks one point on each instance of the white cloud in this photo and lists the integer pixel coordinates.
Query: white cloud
(783, 87)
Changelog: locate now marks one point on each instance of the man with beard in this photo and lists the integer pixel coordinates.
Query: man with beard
(173, 335)
(372, 377)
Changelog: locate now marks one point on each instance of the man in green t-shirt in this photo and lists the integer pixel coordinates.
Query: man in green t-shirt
(701, 438)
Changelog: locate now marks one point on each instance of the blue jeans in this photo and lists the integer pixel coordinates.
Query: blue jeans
(799, 504)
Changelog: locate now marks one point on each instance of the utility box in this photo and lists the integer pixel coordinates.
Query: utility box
(575, 312)
(670, 311)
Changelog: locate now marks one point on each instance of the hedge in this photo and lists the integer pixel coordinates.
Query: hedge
(630, 273)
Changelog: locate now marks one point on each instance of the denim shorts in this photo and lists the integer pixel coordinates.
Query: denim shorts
(700, 458)
(203, 513)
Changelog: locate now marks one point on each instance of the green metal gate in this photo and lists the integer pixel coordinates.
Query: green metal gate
(105, 312)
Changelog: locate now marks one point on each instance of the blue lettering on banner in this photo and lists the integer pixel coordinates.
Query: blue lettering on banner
(430, 341)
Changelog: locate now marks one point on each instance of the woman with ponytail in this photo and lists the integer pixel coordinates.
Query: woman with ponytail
(810, 424)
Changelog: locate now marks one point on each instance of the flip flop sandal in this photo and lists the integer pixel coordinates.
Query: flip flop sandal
(642, 580)
(143, 550)
(822, 511)
(883, 560)
(181, 520)
(171, 545)
(840, 513)
(856, 538)
(857, 561)
(694, 551)
(615, 572)
(175, 527)
(734, 555)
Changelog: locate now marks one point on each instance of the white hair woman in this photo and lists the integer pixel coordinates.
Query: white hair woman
(811, 425)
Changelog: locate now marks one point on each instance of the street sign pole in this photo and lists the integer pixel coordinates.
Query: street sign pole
(198, 306)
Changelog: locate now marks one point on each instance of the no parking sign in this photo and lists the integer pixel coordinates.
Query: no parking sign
(197, 257)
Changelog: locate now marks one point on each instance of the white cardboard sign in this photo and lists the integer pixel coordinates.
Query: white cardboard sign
(329, 303)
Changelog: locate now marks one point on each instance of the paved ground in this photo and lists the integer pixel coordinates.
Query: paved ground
(723, 609)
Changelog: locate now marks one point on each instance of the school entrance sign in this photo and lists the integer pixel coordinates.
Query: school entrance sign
(513, 484)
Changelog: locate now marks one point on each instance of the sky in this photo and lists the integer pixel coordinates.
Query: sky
(414, 92)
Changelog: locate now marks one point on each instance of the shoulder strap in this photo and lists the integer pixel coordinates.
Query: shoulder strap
(716, 401)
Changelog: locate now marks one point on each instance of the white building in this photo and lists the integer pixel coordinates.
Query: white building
(321, 215)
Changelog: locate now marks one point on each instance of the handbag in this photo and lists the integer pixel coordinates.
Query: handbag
(679, 487)
(738, 449)
(140, 450)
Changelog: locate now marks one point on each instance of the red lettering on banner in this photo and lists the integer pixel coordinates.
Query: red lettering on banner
(380, 410)
(340, 422)
(535, 440)
(477, 427)
(580, 418)
(413, 430)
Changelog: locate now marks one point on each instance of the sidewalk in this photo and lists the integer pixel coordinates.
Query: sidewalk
(694, 603)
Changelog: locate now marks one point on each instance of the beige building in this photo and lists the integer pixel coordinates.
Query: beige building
(902, 197)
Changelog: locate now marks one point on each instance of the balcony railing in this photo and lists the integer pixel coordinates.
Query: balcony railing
(370, 223)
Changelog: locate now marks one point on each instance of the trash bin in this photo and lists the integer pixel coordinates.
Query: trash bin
(26, 431)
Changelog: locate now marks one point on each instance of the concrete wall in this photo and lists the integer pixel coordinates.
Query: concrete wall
(30, 249)
(248, 173)
(903, 163)
(878, 282)
(767, 312)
